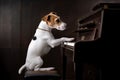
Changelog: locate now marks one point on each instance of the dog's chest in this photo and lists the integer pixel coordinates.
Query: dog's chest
(46, 49)
(39, 42)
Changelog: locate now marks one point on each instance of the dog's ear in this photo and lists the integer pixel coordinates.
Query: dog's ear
(46, 18)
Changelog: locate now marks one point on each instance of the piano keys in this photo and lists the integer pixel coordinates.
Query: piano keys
(69, 45)
(95, 34)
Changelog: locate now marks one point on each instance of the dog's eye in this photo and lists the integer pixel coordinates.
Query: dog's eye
(58, 20)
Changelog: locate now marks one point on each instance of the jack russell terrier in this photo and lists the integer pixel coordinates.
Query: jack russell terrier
(43, 41)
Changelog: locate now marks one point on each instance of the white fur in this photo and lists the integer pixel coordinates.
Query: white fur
(41, 46)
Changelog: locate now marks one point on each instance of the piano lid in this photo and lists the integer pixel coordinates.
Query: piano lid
(106, 6)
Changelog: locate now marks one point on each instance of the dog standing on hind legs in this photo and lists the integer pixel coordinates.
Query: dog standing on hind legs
(43, 41)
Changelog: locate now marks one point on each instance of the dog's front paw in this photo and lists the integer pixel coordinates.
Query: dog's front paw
(68, 39)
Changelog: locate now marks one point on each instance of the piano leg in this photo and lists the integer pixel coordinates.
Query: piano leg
(64, 67)
(64, 63)
(68, 65)
(78, 71)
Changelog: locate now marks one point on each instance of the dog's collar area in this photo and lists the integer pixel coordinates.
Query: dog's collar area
(43, 29)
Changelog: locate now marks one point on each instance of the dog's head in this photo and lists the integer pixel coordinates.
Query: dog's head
(54, 21)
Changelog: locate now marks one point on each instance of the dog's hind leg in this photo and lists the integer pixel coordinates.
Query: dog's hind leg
(38, 63)
(47, 69)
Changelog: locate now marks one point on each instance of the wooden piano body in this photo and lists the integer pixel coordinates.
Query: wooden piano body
(95, 51)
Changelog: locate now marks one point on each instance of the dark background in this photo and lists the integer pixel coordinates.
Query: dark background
(20, 18)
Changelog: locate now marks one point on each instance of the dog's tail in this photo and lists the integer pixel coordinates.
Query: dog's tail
(21, 69)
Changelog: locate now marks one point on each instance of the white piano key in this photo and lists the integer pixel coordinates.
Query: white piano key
(69, 43)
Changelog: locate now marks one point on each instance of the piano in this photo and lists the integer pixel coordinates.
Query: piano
(94, 52)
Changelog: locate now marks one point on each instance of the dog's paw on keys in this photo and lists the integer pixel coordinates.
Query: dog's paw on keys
(67, 39)
(71, 39)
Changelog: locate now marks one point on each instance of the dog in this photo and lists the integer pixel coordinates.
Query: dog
(43, 41)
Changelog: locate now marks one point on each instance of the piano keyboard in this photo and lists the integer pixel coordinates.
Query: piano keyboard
(69, 45)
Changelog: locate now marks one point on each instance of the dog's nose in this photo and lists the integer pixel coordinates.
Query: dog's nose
(65, 24)
(63, 27)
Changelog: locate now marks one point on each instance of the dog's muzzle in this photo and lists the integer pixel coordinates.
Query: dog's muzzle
(62, 26)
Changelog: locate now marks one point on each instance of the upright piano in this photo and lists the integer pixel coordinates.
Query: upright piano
(95, 51)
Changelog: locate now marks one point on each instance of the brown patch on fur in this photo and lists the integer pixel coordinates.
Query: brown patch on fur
(53, 17)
